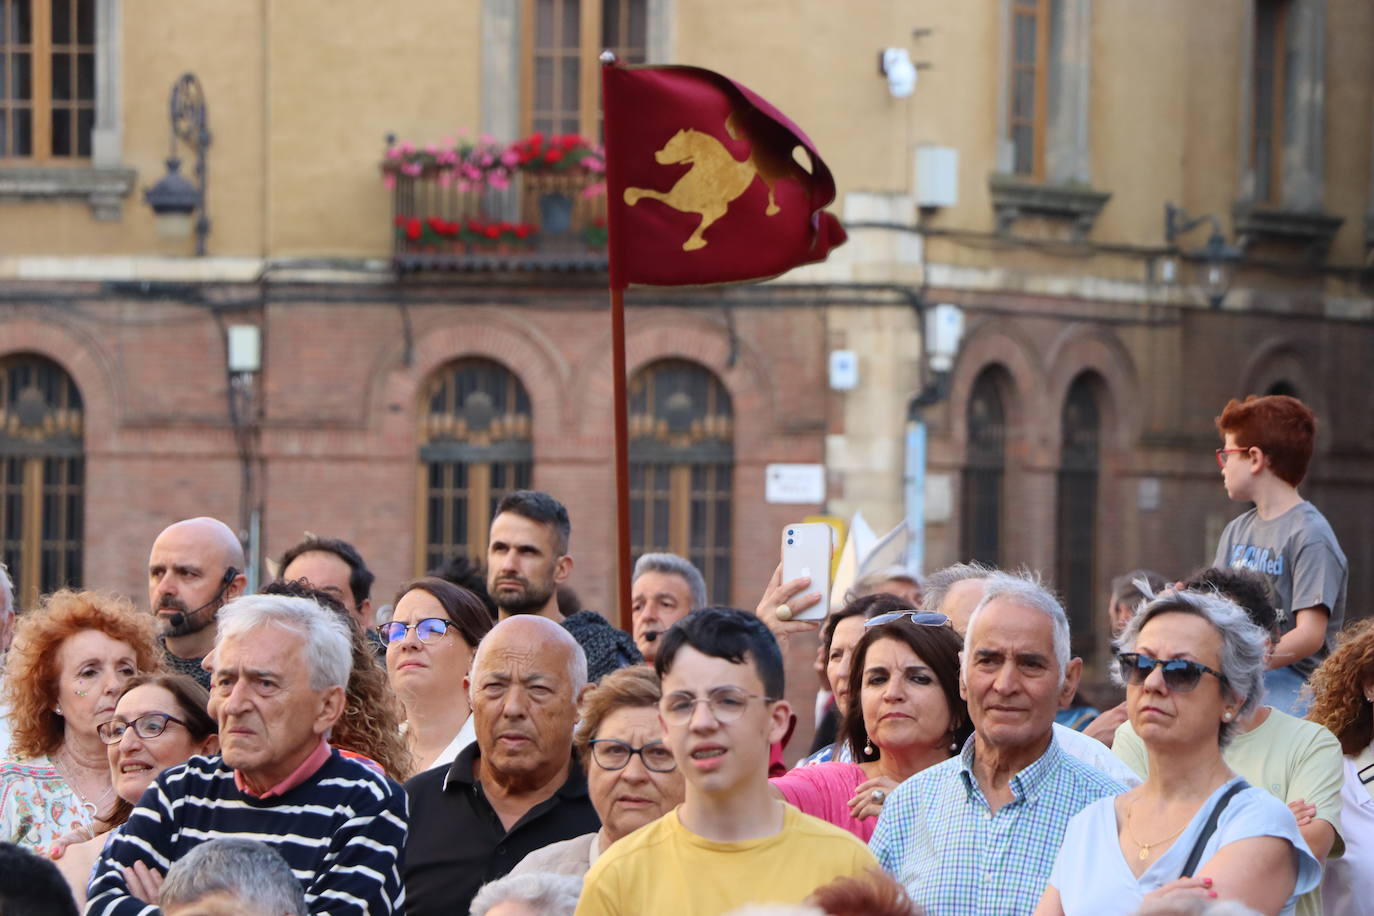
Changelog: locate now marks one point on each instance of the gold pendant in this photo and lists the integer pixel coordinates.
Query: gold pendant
(1144, 853)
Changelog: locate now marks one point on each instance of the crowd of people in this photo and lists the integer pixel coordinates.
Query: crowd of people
(483, 745)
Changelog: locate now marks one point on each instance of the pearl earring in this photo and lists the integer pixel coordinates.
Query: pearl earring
(57, 709)
(1226, 717)
(868, 748)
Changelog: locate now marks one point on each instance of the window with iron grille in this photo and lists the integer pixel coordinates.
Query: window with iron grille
(981, 499)
(47, 80)
(681, 429)
(1076, 573)
(475, 447)
(1030, 44)
(42, 476)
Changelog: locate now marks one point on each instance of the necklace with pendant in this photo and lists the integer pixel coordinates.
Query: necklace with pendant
(68, 776)
(1145, 847)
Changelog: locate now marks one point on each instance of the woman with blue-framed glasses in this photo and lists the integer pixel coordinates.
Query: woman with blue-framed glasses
(430, 641)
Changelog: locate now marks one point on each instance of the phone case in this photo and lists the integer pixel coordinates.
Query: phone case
(806, 551)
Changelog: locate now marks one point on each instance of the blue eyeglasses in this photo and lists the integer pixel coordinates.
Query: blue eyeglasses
(428, 630)
(920, 618)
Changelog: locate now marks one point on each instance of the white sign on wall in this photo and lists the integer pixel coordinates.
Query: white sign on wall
(794, 483)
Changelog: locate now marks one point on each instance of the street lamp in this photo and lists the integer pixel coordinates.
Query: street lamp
(175, 198)
(1216, 260)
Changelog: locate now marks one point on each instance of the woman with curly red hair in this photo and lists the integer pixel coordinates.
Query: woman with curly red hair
(69, 660)
(1344, 690)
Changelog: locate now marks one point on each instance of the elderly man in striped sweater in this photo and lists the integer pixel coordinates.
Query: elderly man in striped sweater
(279, 669)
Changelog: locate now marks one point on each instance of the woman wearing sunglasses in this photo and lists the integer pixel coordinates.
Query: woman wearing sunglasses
(632, 777)
(430, 641)
(1193, 664)
(159, 721)
(904, 713)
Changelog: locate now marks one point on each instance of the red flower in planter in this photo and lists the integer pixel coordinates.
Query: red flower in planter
(413, 229)
(492, 232)
(523, 231)
(553, 155)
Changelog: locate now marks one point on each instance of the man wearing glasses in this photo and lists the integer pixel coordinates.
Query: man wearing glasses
(519, 788)
(731, 842)
(1267, 446)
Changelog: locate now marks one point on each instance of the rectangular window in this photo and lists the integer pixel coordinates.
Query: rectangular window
(1268, 87)
(563, 41)
(1030, 39)
(47, 80)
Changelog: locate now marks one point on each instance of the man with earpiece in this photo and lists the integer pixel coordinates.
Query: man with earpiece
(194, 568)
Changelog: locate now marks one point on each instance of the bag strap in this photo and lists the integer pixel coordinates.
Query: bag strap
(1209, 828)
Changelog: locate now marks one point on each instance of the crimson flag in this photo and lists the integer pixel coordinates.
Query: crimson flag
(702, 181)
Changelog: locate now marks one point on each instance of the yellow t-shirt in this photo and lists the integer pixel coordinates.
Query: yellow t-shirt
(664, 869)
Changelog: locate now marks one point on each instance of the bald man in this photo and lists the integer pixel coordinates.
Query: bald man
(195, 566)
(517, 789)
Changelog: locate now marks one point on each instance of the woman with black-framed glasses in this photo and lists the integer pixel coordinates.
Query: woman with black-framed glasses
(1193, 665)
(430, 642)
(632, 777)
(159, 721)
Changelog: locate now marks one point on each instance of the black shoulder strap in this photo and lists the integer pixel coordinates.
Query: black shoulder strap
(1209, 828)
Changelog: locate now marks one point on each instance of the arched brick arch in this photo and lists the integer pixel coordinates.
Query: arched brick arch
(486, 333)
(681, 335)
(998, 343)
(1084, 348)
(85, 360)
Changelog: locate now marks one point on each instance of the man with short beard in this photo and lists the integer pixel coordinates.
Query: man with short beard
(195, 566)
(527, 560)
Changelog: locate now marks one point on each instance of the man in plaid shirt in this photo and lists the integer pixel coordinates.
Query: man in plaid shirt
(978, 833)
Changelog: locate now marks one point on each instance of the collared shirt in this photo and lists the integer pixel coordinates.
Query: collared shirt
(457, 841)
(938, 835)
(297, 776)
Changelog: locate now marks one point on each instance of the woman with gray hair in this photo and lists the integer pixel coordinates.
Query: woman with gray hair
(1193, 665)
(528, 894)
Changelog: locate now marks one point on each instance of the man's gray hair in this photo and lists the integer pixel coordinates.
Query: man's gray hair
(937, 584)
(328, 646)
(674, 565)
(546, 893)
(1025, 589)
(1242, 645)
(254, 874)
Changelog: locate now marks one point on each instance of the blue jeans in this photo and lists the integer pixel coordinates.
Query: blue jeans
(1283, 691)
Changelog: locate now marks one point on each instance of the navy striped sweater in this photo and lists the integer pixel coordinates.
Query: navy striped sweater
(342, 831)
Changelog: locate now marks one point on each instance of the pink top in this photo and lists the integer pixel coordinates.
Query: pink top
(824, 791)
(309, 766)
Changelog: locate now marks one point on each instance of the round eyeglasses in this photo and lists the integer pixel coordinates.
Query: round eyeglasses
(1180, 674)
(148, 725)
(726, 704)
(611, 754)
(920, 618)
(427, 630)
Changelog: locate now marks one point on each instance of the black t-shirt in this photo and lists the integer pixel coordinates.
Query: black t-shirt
(457, 843)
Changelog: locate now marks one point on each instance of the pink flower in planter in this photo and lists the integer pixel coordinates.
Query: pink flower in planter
(509, 158)
(407, 147)
(594, 190)
(389, 181)
(464, 186)
(498, 180)
(445, 179)
(593, 164)
(393, 153)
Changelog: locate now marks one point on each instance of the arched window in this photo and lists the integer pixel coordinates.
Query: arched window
(681, 463)
(42, 473)
(981, 499)
(1077, 510)
(474, 449)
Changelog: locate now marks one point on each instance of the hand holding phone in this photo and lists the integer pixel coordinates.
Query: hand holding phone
(806, 551)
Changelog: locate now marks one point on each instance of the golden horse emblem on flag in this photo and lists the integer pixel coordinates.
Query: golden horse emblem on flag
(716, 178)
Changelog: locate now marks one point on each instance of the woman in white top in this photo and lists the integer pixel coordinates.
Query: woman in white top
(1344, 703)
(430, 641)
(1193, 664)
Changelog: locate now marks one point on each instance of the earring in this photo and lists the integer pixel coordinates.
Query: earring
(868, 748)
(953, 746)
(1226, 717)
(57, 709)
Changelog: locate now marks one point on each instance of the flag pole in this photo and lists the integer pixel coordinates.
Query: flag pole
(618, 369)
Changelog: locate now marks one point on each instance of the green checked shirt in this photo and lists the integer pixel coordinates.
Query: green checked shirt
(938, 836)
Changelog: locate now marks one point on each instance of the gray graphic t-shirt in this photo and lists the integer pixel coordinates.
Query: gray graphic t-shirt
(1297, 553)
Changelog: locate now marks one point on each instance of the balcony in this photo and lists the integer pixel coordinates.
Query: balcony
(534, 205)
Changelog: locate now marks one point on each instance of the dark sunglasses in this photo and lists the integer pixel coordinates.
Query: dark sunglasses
(427, 630)
(920, 618)
(1180, 674)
